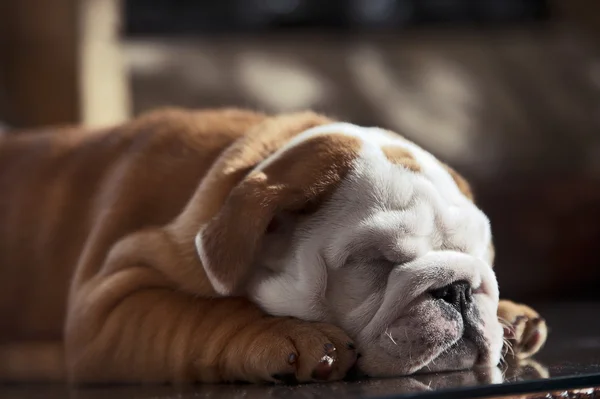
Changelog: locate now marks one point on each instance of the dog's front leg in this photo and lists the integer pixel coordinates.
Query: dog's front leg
(130, 323)
(524, 329)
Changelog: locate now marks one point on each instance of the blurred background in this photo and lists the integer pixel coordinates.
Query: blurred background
(506, 91)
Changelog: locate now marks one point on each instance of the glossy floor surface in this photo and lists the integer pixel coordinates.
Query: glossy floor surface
(571, 359)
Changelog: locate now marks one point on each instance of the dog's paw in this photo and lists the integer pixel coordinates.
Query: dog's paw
(293, 351)
(525, 331)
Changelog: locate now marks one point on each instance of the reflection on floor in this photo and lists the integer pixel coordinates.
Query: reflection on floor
(571, 355)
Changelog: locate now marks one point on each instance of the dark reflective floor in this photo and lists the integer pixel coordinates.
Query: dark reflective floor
(571, 359)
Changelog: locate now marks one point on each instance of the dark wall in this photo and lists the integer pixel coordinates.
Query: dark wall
(226, 16)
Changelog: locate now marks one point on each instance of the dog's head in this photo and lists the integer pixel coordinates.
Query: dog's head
(361, 228)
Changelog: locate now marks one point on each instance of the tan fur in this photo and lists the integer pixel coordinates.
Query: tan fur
(492, 251)
(401, 156)
(115, 212)
(404, 157)
(462, 184)
(97, 248)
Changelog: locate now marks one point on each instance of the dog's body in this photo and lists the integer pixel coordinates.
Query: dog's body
(174, 248)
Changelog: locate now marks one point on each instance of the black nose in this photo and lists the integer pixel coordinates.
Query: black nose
(458, 294)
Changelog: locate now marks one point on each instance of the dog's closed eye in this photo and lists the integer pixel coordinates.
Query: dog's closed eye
(397, 257)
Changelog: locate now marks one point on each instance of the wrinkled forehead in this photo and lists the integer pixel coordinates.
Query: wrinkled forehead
(375, 146)
(409, 190)
(373, 171)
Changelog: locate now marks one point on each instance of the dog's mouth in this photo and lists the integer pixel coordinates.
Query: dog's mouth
(424, 335)
(461, 354)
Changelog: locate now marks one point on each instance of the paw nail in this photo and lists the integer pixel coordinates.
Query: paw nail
(350, 346)
(329, 348)
(292, 358)
(289, 379)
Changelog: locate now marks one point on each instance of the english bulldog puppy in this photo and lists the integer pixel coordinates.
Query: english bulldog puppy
(229, 245)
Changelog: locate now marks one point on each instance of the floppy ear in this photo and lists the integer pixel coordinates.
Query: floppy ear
(289, 180)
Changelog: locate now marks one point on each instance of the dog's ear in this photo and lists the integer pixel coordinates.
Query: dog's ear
(296, 176)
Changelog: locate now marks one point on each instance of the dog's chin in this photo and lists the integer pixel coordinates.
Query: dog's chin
(462, 355)
(452, 356)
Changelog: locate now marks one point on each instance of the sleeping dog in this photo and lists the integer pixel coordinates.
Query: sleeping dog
(229, 245)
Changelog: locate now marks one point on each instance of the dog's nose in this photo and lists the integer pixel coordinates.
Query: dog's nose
(458, 294)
